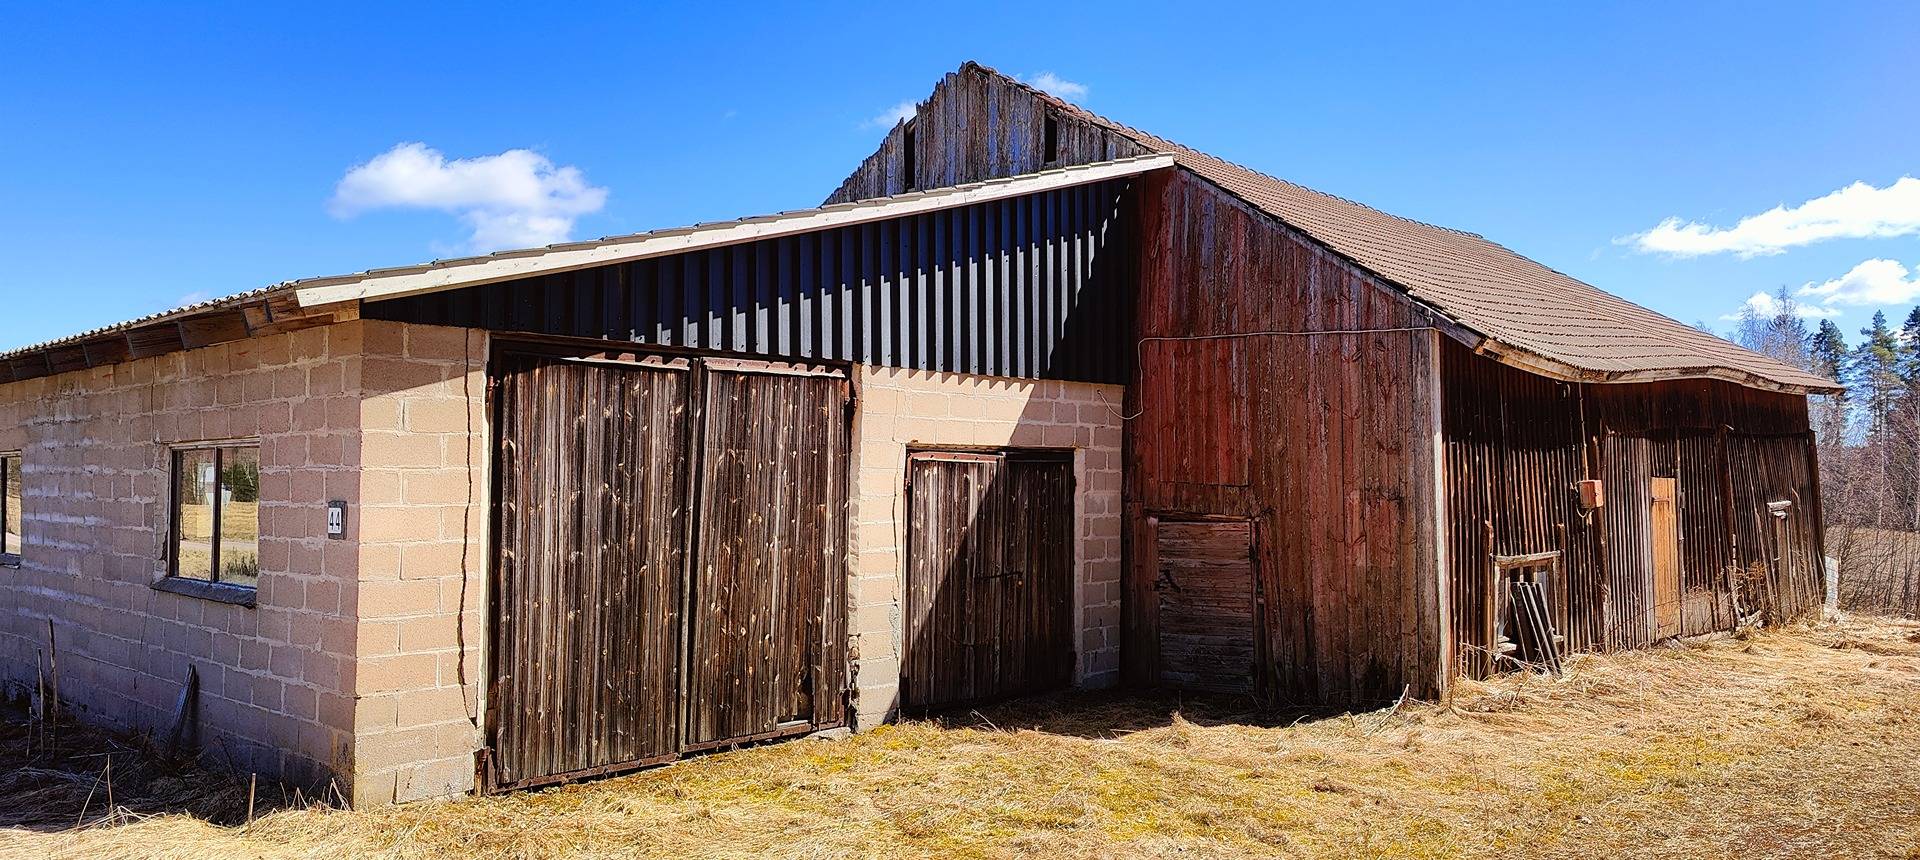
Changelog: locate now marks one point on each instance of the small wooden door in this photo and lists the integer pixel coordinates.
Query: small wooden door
(1663, 529)
(989, 576)
(1203, 583)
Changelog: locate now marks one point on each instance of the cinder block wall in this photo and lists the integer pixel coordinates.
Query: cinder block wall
(901, 408)
(421, 527)
(276, 679)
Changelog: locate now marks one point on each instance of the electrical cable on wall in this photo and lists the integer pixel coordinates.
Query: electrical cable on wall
(1139, 347)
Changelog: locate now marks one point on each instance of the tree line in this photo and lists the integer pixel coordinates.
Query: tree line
(1868, 437)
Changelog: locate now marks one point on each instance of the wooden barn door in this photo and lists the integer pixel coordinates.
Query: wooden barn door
(1663, 530)
(768, 601)
(989, 576)
(1203, 584)
(670, 559)
(592, 466)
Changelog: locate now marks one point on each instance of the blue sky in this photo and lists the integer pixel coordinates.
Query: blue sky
(149, 155)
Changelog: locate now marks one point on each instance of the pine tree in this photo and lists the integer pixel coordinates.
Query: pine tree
(1875, 370)
(1875, 377)
(1827, 356)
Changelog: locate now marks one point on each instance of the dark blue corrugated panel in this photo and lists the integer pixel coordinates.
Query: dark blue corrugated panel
(1034, 286)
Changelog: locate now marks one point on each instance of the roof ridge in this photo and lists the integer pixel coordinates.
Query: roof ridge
(1138, 134)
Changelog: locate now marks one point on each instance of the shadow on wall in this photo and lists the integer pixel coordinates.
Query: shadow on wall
(989, 592)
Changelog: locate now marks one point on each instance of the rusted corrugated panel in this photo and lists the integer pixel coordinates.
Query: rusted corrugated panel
(1205, 595)
(767, 608)
(591, 465)
(1032, 286)
(1705, 544)
(989, 577)
(1775, 469)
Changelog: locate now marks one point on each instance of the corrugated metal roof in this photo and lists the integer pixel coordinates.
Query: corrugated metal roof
(466, 271)
(1500, 294)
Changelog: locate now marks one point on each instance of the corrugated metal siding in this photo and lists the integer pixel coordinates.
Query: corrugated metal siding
(1033, 286)
(1513, 453)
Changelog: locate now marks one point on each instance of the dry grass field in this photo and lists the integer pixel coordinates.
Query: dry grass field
(1796, 743)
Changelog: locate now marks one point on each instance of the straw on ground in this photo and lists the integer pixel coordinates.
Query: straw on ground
(1803, 742)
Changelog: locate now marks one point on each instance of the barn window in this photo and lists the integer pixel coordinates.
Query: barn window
(907, 165)
(1052, 136)
(12, 528)
(216, 516)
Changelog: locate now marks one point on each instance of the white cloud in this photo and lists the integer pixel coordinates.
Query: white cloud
(1858, 211)
(1872, 283)
(1057, 85)
(893, 116)
(1768, 305)
(516, 199)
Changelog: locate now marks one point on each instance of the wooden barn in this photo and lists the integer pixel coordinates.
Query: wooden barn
(1034, 400)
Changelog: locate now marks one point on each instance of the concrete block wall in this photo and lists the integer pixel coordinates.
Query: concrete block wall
(421, 527)
(276, 678)
(901, 408)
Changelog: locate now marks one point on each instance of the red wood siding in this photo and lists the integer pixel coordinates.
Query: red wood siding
(1336, 432)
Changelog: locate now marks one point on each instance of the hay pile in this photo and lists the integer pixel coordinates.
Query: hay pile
(1803, 742)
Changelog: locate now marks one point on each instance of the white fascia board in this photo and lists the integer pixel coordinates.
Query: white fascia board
(487, 270)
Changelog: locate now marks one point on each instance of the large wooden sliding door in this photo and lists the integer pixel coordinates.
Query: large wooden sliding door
(587, 584)
(771, 547)
(669, 571)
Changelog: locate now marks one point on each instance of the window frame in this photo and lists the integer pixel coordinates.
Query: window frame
(213, 587)
(12, 559)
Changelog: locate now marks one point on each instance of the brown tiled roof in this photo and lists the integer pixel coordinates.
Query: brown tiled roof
(1516, 302)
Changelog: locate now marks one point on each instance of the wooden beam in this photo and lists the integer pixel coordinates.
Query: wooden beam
(107, 350)
(153, 340)
(209, 329)
(61, 359)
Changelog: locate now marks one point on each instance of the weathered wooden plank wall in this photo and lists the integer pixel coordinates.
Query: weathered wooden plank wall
(989, 599)
(1513, 435)
(1324, 442)
(977, 126)
(1516, 443)
(1033, 286)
